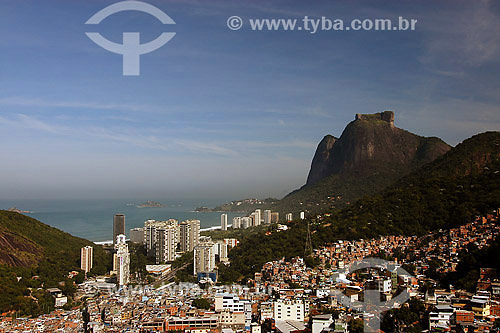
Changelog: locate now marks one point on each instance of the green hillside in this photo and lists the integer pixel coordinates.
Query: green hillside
(39, 256)
(444, 193)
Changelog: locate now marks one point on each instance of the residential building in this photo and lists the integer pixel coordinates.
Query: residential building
(321, 322)
(204, 257)
(122, 261)
(236, 222)
(229, 302)
(267, 216)
(231, 242)
(255, 217)
(86, 258)
(189, 235)
(118, 226)
(223, 222)
(165, 244)
(258, 217)
(137, 235)
(275, 217)
(150, 227)
(384, 285)
(220, 249)
(246, 222)
(285, 309)
(480, 305)
(229, 319)
(439, 319)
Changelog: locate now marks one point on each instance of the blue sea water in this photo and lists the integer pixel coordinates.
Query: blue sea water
(93, 219)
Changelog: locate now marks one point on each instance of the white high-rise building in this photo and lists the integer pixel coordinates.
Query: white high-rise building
(236, 222)
(258, 217)
(189, 235)
(150, 235)
(122, 261)
(267, 216)
(255, 217)
(86, 257)
(165, 244)
(223, 222)
(174, 223)
(220, 249)
(204, 257)
(246, 222)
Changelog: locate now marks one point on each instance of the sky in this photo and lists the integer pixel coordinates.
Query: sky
(224, 113)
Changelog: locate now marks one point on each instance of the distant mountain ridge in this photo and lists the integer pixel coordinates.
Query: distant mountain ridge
(370, 155)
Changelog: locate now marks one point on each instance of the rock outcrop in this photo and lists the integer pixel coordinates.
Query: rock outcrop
(370, 143)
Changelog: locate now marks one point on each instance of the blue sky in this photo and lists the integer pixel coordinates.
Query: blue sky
(222, 113)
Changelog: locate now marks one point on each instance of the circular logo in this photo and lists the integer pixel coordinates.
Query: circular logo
(234, 23)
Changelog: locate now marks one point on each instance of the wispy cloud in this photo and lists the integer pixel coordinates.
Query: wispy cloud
(37, 102)
(154, 142)
(467, 36)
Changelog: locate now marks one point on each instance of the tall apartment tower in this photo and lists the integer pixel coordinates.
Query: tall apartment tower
(204, 257)
(255, 217)
(121, 262)
(236, 222)
(267, 216)
(174, 223)
(165, 244)
(137, 235)
(223, 222)
(275, 217)
(118, 226)
(189, 235)
(151, 239)
(149, 236)
(246, 222)
(220, 249)
(86, 257)
(258, 217)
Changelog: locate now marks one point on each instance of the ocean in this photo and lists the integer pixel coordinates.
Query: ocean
(93, 219)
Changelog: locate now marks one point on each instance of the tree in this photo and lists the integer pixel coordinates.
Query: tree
(356, 326)
(201, 303)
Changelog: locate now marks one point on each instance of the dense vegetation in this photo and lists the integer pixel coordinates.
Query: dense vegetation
(334, 192)
(234, 233)
(412, 317)
(445, 193)
(56, 254)
(471, 260)
(138, 261)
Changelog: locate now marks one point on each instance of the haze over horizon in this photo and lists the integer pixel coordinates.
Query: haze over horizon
(221, 113)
